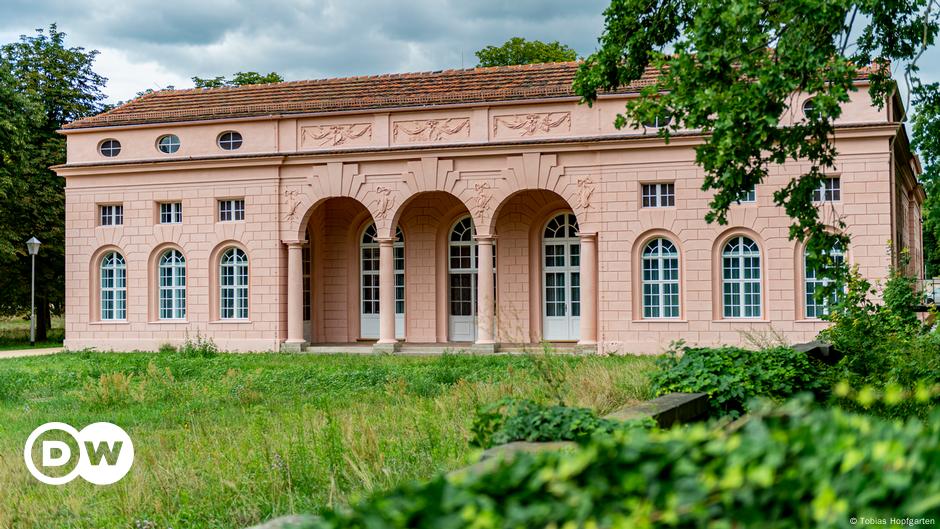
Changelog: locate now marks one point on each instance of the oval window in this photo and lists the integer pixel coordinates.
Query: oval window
(229, 141)
(168, 144)
(809, 108)
(109, 148)
(660, 122)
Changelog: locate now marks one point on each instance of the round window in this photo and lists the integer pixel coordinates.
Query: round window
(809, 108)
(109, 148)
(229, 141)
(168, 144)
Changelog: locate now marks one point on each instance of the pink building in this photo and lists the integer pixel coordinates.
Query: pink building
(485, 208)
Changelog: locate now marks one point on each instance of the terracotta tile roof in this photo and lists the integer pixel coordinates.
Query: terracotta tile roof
(473, 85)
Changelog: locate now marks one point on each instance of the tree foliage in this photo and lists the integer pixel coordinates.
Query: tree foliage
(239, 79)
(518, 50)
(731, 70)
(53, 84)
(926, 139)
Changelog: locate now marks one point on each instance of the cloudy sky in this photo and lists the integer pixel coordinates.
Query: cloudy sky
(154, 44)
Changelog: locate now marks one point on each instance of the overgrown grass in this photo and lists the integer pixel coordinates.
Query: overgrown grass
(231, 440)
(14, 333)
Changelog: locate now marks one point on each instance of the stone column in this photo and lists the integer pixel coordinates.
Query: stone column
(295, 298)
(387, 341)
(486, 299)
(588, 291)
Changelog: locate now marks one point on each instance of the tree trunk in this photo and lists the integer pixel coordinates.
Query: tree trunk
(42, 317)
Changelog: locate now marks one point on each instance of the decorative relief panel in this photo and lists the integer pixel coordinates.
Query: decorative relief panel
(293, 198)
(426, 130)
(333, 135)
(525, 125)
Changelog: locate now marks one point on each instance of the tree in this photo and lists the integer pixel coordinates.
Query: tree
(58, 82)
(731, 69)
(517, 50)
(926, 139)
(239, 79)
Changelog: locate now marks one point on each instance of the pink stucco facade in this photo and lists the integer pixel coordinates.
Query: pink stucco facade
(313, 182)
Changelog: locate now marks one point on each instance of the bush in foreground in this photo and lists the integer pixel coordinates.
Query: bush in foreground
(796, 466)
(732, 376)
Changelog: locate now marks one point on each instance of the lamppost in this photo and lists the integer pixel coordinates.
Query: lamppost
(33, 246)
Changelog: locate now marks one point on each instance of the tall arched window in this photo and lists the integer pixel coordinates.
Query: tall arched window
(233, 285)
(660, 279)
(369, 283)
(816, 308)
(113, 287)
(172, 287)
(561, 278)
(462, 277)
(741, 281)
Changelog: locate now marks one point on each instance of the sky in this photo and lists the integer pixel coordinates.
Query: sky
(155, 44)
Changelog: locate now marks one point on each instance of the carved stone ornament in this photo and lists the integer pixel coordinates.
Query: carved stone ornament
(531, 124)
(431, 129)
(585, 191)
(384, 202)
(293, 198)
(332, 135)
(480, 203)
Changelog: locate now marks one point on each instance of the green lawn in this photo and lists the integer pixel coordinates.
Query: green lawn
(14, 333)
(231, 440)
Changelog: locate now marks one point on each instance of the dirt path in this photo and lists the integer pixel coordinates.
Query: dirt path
(16, 353)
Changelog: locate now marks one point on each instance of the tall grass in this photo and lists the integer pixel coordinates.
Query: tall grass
(230, 440)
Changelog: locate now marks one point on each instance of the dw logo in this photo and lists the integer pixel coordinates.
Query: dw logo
(105, 453)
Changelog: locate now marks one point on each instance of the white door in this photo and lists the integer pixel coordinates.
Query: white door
(369, 284)
(462, 282)
(561, 279)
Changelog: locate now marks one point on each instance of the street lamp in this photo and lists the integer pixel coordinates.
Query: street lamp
(33, 246)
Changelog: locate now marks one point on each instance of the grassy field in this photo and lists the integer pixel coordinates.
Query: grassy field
(231, 440)
(14, 333)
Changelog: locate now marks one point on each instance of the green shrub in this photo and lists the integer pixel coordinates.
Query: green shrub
(509, 420)
(168, 348)
(732, 376)
(791, 467)
(199, 347)
(884, 344)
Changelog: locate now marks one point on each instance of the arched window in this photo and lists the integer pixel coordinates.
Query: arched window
(741, 281)
(816, 308)
(369, 283)
(172, 287)
(233, 285)
(462, 280)
(113, 287)
(660, 279)
(561, 278)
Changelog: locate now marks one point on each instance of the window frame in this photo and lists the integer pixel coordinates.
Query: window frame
(233, 211)
(808, 298)
(172, 146)
(660, 293)
(115, 285)
(175, 214)
(829, 190)
(112, 149)
(234, 144)
(114, 213)
(176, 289)
(740, 256)
(239, 287)
(662, 192)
